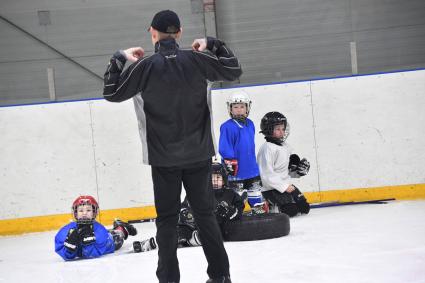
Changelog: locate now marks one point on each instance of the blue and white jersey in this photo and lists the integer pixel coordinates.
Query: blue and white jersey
(237, 142)
(104, 243)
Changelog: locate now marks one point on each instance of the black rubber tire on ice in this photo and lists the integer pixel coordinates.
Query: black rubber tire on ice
(257, 227)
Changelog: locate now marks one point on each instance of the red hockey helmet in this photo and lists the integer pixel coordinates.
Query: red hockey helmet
(85, 200)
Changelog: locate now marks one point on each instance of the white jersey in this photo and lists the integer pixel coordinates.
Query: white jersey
(273, 161)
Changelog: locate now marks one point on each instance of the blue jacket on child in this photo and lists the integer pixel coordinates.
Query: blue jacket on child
(237, 141)
(104, 243)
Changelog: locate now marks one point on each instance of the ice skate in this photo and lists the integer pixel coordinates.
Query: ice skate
(222, 279)
(127, 228)
(144, 246)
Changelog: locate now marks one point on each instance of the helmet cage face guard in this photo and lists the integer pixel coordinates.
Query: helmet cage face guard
(239, 98)
(287, 131)
(272, 119)
(229, 109)
(85, 200)
(270, 130)
(217, 181)
(218, 172)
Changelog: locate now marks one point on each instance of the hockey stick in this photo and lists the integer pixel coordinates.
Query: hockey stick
(337, 203)
(316, 205)
(142, 220)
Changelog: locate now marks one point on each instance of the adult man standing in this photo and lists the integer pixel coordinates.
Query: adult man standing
(170, 94)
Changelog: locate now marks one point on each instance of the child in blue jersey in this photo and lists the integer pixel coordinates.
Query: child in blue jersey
(87, 238)
(237, 148)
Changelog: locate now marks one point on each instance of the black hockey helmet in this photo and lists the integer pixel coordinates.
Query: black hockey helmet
(218, 169)
(270, 120)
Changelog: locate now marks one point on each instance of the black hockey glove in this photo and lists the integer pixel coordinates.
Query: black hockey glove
(294, 161)
(231, 166)
(222, 210)
(86, 233)
(232, 214)
(303, 167)
(72, 240)
(225, 212)
(298, 168)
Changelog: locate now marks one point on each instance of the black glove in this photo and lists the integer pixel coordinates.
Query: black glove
(221, 210)
(303, 167)
(298, 168)
(226, 212)
(86, 233)
(232, 214)
(231, 166)
(294, 161)
(72, 240)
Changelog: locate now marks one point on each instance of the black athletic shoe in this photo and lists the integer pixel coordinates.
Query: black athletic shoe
(222, 279)
(128, 229)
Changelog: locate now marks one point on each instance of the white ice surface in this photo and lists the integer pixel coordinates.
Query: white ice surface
(358, 243)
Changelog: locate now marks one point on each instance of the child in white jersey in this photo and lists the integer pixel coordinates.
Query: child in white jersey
(278, 166)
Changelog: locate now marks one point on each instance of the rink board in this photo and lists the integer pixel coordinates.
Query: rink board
(360, 134)
(106, 217)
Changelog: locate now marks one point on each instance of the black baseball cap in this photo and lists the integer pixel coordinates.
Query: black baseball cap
(166, 21)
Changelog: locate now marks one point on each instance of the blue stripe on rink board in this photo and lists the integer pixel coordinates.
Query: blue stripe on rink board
(238, 86)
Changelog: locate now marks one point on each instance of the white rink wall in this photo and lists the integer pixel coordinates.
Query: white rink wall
(357, 132)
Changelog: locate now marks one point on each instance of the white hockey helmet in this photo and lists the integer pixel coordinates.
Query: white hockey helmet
(238, 96)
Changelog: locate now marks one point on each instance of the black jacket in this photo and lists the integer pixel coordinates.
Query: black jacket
(171, 98)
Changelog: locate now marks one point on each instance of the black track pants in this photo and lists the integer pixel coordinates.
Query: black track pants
(167, 182)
